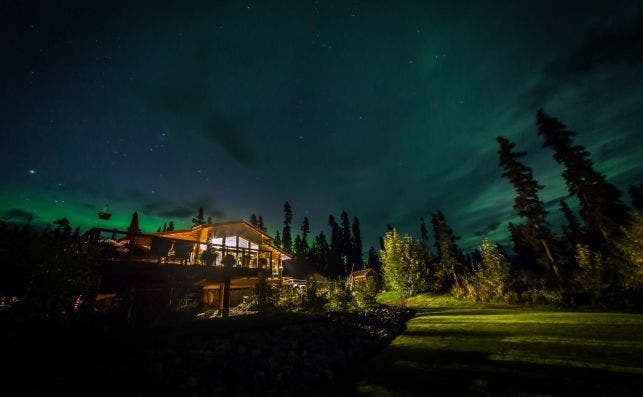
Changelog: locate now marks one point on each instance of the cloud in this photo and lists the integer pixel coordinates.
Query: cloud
(191, 91)
(623, 44)
(489, 228)
(186, 210)
(18, 214)
(233, 136)
(178, 212)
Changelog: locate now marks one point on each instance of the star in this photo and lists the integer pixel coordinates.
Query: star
(32, 172)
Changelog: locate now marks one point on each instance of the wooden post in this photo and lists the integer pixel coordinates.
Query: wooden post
(228, 263)
(221, 286)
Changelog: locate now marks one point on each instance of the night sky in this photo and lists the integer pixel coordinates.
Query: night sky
(387, 112)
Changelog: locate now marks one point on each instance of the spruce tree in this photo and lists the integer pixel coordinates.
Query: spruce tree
(286, 237)
(601, 208)
(358, 255)
(346, 243)
(335, 267)
(277, 241)
(449, 262)
(209, 221)
(253, 220)
(305, 229)
(536, 233)
(636, 194)
(319, 253)
(424, 233)
(302, 245)
(170, 226)
(299, 252)
(164, 227)
(199, 218)
(261, 225)
(572, 230)
(374, 260)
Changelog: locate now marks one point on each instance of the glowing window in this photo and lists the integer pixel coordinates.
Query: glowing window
(217, 240)
(231, 241)
(254, 246)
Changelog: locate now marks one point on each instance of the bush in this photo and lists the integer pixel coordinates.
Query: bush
(365, 294)
(590, 276)
(404, 264)
(289, 298)
(487, 281)
(339, 297)
(313, 300)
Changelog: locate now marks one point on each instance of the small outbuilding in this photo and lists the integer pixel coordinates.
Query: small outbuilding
(362, 276)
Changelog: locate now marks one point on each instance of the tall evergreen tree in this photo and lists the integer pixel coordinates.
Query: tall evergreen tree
(346, 243)
(449, 266)
(305, 229)
(335, 266)
(358, 255)
(170, 226)
(302, 244)
(199, 219)
(277, 241)
(299, 252)
(253, 220)
(636, 194)
(424, 233)
(572, 230)
(261, 225)
(164, 227)
(319, 253)
(286, 237)
(600, 205)
(209, 221)
(374, 260)
(536, 232)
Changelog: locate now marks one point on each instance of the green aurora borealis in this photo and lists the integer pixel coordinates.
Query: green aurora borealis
(389, 112)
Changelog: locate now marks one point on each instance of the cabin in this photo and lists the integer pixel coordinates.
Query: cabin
(207, 245)
(362, 276)
(158, 263)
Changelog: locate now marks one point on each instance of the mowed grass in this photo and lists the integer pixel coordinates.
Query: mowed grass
(456, 348)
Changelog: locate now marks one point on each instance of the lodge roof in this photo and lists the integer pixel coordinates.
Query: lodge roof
(358, 273)
(241, 228)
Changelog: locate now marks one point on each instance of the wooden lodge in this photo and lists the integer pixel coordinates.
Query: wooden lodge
(158, 263)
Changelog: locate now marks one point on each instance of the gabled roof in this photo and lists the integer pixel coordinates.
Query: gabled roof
(364, 272)
(241, 228)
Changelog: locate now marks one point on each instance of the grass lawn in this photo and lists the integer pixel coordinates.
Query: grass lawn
(476, 349)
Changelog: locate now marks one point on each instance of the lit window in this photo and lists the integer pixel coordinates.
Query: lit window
(231, 241)
(243, 243)
(217, 240)
(254, 246)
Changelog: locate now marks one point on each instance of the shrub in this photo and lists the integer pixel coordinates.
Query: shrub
(365, 294)
(488, 279)
(289, 298)
(631, 246)
(403, 264)
(590, 276)
(339, 297)
(313, 300)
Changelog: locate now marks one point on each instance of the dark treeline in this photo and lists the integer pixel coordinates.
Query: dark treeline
(334, 255)
(597, 257)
